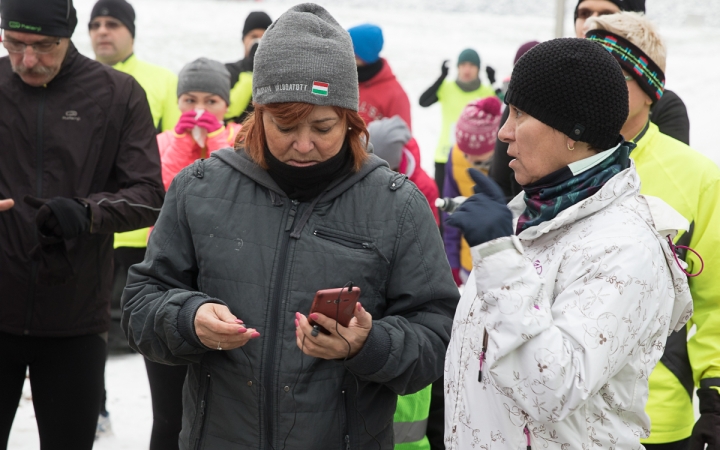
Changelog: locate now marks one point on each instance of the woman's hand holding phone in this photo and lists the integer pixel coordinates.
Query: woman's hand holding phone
(219, 329)
(333, 346)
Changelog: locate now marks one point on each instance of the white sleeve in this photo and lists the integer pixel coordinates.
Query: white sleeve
(555, 346)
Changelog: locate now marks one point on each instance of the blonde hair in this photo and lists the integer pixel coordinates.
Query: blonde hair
(636, 28)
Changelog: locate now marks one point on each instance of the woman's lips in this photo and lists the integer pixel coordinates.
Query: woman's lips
(292, 162)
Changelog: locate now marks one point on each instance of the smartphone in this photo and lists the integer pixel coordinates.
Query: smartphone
(338, 304)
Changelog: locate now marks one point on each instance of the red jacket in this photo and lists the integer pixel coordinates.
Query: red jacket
(382, 96)
(178, 151)
(410, 166)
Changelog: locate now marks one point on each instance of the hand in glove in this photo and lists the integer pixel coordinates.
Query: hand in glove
(60, 217)
(444, 70)
(484, 216)
(209, 122)
(186, 123)
(707, 428)
(490, 74)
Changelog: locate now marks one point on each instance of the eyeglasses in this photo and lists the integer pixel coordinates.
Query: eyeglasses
(40, 48)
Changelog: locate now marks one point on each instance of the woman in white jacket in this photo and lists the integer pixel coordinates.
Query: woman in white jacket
(574, 287)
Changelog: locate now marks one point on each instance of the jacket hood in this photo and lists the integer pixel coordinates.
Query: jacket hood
(660, 216)
(240, 161)
(386, 74)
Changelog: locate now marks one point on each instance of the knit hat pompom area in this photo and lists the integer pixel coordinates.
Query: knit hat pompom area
(574, 86)
(477, 127)
(205, 75)
(306, 56)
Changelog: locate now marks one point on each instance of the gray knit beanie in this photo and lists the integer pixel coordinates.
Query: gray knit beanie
(205, 75)
(307, 57)
(388, 137)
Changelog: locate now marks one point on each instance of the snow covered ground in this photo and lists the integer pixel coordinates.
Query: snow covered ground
(419, 35)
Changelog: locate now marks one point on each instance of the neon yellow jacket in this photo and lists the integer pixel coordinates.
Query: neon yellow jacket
(690, 183)
(160, 86)
(240, 96)
(453, 100)
(410, 421)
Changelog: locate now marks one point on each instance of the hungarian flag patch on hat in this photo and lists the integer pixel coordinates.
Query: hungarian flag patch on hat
(320, 88)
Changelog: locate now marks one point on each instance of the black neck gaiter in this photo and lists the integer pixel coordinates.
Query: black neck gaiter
(306, 183)
(469, 86)
(368, 71)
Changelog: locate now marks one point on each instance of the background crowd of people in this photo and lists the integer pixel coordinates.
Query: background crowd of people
(94, 193)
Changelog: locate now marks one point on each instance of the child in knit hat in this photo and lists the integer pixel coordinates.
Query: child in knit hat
(203, 98)
(393, 142)
(475, 134)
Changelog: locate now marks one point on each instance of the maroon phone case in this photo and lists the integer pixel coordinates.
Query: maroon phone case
(338, 304)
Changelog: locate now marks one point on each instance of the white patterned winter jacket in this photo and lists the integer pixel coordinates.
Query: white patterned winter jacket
(577, 311)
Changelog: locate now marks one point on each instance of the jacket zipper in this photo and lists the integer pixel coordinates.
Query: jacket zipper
(350, 242)
(483, 354)
(272, 325)
(203, 413)
(527, 437)
(39, 194)
(346, 424)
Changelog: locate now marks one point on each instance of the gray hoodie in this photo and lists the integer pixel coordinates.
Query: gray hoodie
(228, 234)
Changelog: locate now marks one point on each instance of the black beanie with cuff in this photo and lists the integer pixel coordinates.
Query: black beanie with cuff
(256, 20)
(574, 86)
(624, 5)
(117, 9)
(56, 18)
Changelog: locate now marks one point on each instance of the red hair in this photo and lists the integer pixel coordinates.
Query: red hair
(252, 136)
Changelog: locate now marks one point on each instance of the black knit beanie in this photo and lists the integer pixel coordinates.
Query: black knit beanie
(624, 5)
(574, 86)
(118, 9)
(256, 20)
(55, 18)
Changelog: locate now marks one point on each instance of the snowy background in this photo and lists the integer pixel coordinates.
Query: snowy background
(419, 35)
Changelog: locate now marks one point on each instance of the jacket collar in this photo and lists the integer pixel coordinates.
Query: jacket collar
(127, 65)
(240, 161)
(622, 186)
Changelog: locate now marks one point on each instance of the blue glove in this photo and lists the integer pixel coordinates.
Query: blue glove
(484, 216)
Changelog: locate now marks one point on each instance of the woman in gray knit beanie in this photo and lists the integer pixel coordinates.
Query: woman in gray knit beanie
(247, 237)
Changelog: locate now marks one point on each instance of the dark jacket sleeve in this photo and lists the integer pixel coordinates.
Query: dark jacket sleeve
(405, 350)
(136, 204)
(500, 171)
(430, 95)
(671, 117)
(161, 296)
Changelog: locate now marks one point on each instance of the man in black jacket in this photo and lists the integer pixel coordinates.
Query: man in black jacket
(669, 113)
(79, 159)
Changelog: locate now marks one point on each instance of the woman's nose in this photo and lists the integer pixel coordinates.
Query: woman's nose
(304, 143)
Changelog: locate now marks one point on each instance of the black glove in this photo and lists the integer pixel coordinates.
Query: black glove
(490, 74)
(444, 70)
(707, 428)
(60, 217)
(484, 216)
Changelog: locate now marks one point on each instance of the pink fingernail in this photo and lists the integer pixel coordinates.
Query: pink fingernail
(359, 306)
(239, 321)
(297, 323)
(242, 330)
(313, 316)
(254, 335)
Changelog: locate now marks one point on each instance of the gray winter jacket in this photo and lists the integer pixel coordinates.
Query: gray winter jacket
(228, 234)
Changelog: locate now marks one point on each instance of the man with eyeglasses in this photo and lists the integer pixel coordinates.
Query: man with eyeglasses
(78, 162)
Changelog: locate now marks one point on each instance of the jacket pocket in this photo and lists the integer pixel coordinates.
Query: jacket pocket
(349, 240)
(200, 426)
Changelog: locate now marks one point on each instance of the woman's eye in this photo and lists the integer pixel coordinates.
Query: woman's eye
(323, 130)
(211, 102)
(284, 130)
(518, 113)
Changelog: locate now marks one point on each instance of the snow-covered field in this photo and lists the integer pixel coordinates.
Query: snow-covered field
(419, 35)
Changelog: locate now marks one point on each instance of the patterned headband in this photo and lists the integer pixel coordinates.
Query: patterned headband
(648, 75)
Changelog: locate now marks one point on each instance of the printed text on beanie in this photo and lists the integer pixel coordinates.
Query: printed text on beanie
(306, 56)
(56, 18)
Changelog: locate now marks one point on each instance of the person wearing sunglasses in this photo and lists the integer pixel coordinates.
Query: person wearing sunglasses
(79, 159)
(690, 183)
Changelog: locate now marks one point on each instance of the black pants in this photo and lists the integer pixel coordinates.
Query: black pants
(166, 383)
(66, 380)
(677, 445)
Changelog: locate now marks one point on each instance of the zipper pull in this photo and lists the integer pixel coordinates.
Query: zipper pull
(347, 442)
(291, 217)
(527, 436)
(482, 354)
